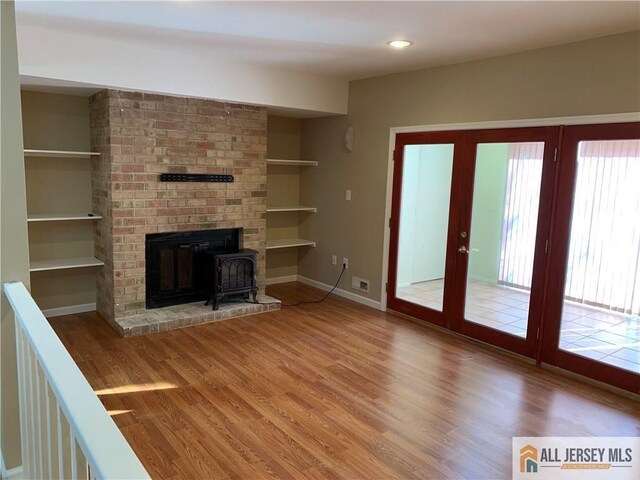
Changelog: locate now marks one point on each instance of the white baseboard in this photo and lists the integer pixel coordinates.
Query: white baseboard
(13, 474)
(342, 293)
(57, 312)
(285, 279)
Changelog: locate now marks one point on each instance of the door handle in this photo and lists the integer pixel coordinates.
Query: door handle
(463, 249)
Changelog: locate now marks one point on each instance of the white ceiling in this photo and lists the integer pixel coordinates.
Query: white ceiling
(344, 40)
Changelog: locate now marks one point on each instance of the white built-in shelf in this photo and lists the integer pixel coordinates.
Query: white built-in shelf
(301, 163)
(294, 208)
(64, 263)
(61, 217)
(58, 153)
(291, 242)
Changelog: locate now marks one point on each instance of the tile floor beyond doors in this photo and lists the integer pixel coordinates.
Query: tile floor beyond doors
(606, 336)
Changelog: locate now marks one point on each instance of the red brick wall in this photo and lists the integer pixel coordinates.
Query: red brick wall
(141, 135)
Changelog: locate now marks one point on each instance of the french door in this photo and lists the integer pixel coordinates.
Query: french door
(503, 231)
(593, 305)
(470, 222)
(527, 239)
(426, 200)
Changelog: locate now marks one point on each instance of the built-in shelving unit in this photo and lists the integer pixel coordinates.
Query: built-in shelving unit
(61, 263)
(29, 152)
(64, 264)
(58, 163)
(62, 217)
(295, 208)
(292, 163)
(291, 207)
(288, 243)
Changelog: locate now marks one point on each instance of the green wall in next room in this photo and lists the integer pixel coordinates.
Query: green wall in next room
(488, 211)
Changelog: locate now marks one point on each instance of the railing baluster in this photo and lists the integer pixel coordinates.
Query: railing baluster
(22, 401)
(42, 457)
(55, 434)
(60, 444)
(66, 442)
(31, 417)
(82, 465)
(74, 460)
(27, 403)
(49, 440)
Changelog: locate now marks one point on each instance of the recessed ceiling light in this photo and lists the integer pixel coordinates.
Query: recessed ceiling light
(400, 44)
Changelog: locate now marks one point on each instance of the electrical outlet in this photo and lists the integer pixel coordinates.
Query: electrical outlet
(345, 262)
(334, 260)
(348, 194)
(361, 284)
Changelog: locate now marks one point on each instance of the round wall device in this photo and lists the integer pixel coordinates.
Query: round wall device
(350, 138)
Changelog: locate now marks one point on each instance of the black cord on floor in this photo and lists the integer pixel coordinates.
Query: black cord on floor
(301, 302)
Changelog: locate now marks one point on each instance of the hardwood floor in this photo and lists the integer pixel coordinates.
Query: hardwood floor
(330, 390)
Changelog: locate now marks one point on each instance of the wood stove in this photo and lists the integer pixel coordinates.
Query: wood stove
(234, 275)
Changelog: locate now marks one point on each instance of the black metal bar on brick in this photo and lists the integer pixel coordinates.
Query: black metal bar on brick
(195, 177)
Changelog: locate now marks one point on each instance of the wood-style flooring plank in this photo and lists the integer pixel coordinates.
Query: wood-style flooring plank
(328, 391)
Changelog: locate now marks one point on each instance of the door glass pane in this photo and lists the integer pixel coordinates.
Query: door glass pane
(424, 218)
(506, 195)
(601, 310)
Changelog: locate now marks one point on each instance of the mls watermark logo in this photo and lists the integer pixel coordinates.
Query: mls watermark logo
(528, 459)
(589, 458)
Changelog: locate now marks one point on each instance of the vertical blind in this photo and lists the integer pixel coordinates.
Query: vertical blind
(522, 196)
(604, 251)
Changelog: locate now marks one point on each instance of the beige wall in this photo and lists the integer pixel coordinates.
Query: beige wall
(596, 76)
(283, 188)
(335, 224)
(59, 185)
(14, 260)
(55, 122)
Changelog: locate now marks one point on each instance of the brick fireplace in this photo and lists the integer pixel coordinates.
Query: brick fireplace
(140, 136)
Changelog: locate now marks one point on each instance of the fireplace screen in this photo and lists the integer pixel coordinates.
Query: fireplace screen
(176, 268)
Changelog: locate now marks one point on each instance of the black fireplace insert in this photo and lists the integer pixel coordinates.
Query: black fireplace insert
(179, 265)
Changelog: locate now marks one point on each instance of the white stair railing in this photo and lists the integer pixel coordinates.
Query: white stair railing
(65, 430)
